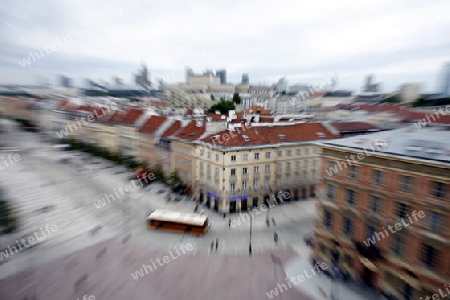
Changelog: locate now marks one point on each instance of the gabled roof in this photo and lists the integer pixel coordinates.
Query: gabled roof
(152, 124)
(353, 126)
(129, 117)
(267, 135)
(192, 131)
(176, 126)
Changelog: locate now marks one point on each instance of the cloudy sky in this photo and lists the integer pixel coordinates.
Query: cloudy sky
(306, 41)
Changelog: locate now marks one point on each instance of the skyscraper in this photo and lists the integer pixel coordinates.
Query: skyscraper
(223, 76)
(189, 73)
(445, 89)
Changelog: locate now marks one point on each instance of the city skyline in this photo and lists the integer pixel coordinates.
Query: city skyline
(304, 46)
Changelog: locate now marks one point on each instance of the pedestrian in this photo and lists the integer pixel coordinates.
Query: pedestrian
(275, 237)
(202, 211)
(212, 246)
(273, 221)
(217, 243)
(229, 223)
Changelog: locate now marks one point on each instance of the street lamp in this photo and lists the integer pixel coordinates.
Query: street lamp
(250, 241)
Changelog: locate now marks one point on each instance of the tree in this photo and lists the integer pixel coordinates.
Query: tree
(159, 173)
(391, 99)
(236, 98)
(212, 97)
(175, 181)
(223, 106)
(8, 218)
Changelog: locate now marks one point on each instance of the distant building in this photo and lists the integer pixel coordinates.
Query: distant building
(370, 86)
(446, 81)
(245, 79)
(282, 85)
(409, 92)
(142, 77)
(65, 81)
(222, 74)
(189, 73)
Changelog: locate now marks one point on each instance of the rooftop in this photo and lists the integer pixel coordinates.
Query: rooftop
(269, 135)
(152, 124)
(426, 144)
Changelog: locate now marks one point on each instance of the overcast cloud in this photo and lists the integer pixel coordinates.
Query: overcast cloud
(304, 41)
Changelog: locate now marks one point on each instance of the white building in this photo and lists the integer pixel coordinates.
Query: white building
(409, 92)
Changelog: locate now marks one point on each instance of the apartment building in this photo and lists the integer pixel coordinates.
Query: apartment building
(126, 125)
(245, 166)
(374, 183)
(147, 149)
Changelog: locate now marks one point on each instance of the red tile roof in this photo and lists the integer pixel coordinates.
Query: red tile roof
(267, 135)
(176, 126)
(215, 117)
(129, 117)
(191, 131)
(152, 124)
(353, 126)
(253, 109)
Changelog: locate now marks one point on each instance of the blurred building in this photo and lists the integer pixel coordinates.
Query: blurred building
(370, 183)
(409, 92)
(446, 81)
(370, 86)
(222, 74)
(65, 81)
(245, 79)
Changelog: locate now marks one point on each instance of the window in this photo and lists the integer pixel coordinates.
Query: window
(208, 169)
(280, 153)
(350, 197)
(370, 231)
(255, 184)
(209, 154)
(288, 179)
(267, 154)
(279, 167)
(402, 210)
(233, 172)
(375, 204)
(397, 244)
(316, 150)
(256, 156)
(299, 152)
(267, 168)
(217, 171)
(406, 183)
(256, 170)
(353, 172)
(288, 166)
(245, 157)
(437, 189)
(377, 177)
(278, 181)
(297, 176)
(297, 164)
(435, 221)
(288, 152)
(333, 168)
(305, 163)
(314, 163)
(347, 227)
(306, 151)
(201, 166)
(233, 187)
(233, 158)
(305, 175)
(216, 185)
(244, 171)
(267, 181)
(429, 256)
(217, 157)
(244, 185)
(328, 219)
(331, 192)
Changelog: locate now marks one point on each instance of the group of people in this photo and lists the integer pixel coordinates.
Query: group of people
(216, 243)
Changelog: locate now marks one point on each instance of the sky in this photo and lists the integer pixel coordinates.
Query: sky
(307, 42)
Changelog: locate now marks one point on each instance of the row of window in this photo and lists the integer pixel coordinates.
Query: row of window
(257, 156)
(256, 169)
(405, 183)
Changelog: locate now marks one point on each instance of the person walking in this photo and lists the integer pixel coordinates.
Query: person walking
(217, 244)
(229, 223)
(275, 237)
(212, 246)
(273, 221)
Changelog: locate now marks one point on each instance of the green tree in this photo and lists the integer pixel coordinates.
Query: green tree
(236, 98)
(212, 97)
(8, 218)
(223, 106)
(175, 182)
(159, 173)
(391, 99)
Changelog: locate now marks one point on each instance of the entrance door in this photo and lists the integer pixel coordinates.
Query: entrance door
(296, 195)
(303, 193)
(267, 200)
(244, 205)
(408, 291)
(208, 202)
(255, 202)
(233, 207)
(216, 204)
(312, 192)
(201, 197)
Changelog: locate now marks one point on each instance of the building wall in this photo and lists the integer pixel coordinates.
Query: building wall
(391, 272)
(294, 171)
(183, 161)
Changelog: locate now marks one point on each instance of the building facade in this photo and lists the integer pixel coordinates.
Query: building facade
(382, 217)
